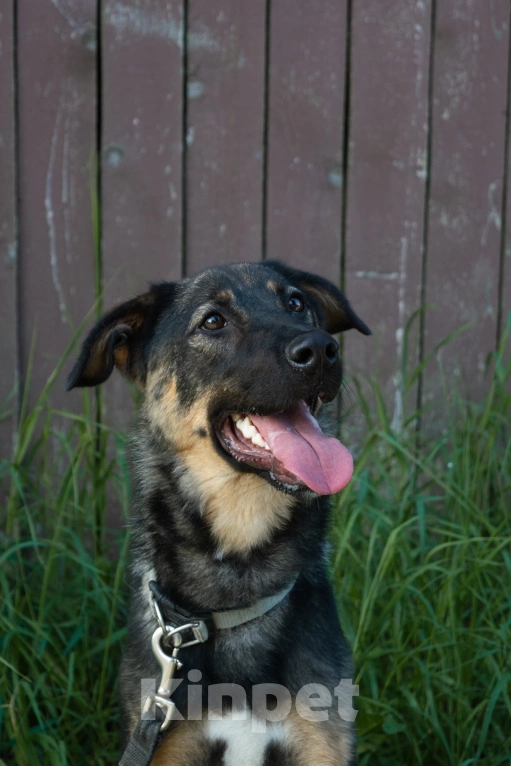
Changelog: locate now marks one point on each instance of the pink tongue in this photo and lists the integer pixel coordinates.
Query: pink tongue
(297, 441)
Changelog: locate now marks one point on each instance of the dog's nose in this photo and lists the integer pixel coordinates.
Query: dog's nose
(311, 350)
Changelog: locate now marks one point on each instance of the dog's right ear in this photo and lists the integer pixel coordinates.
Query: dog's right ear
(118, 339)
(336, 312)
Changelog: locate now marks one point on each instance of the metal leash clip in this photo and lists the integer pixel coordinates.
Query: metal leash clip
(169, 665)
(166, 635)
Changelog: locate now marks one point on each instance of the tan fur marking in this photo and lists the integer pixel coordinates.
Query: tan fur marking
(242, 508)
(273, 286)
(181, 746)
(330, 305)
(136, 319)
(322, 743)
(224, 296)
(121, 356)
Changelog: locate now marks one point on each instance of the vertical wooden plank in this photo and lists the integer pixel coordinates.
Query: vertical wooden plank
(57, 120)
(505, 274)
(505, 307)
(386, 184)
(141, 143)
(225, 117)
(8, 233)
(305, 135)
(505, 263)
(142, 45)
(467, 166)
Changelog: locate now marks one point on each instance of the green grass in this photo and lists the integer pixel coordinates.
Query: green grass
(422, 566)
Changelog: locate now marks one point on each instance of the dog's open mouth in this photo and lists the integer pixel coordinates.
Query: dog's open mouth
(291, 446)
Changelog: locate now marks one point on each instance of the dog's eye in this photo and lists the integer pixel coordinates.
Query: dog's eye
(213, 322)
(296, 303)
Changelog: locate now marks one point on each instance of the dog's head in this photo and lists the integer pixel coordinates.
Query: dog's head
(234, 363)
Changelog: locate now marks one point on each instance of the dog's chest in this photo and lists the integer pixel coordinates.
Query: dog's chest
(242, 744)
(224, 742)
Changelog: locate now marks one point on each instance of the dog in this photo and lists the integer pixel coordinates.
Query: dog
(232, 475)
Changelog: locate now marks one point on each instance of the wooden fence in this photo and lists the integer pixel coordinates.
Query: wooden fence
(363, 139)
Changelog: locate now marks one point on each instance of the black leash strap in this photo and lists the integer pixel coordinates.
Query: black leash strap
(143, 744)
(176, 615)
(150, 732)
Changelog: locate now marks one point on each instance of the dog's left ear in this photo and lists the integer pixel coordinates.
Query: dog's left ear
(118, 340)
(337, 314)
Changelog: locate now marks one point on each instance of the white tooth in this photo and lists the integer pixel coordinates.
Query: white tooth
(236, 416)
(249, 431)
(259, 441)
(245, 426)
(242, 424)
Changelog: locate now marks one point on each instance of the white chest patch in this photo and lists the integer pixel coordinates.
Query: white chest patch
(243, 745)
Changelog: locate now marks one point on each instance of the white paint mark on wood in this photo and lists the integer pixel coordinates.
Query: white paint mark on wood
(421, 167)
(497, 31)
(83, 27)
(64, 13)
(335, 178)
(65, 187)
(128, 20)
(494, 217)
(195, 89)
(50, 216)
(398, 416)
(201, 39)
(12, 254)
(65, 164)
(385, 275)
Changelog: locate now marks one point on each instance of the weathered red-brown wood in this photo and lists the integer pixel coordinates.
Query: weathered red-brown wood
(225, 120)
(388, 133)
(141, 143)
(305, 134)
(505, 265)
(8, 233)
(505, 305)
(57, 121)
(142, 84)
(469, 109)
(142, 45)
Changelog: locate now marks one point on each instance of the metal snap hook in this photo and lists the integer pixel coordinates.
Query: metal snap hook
(168, 664)
(166, 705)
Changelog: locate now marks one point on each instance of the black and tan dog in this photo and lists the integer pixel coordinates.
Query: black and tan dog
(231, 473)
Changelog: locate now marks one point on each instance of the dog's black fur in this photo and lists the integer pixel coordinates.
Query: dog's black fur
(214, 532)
